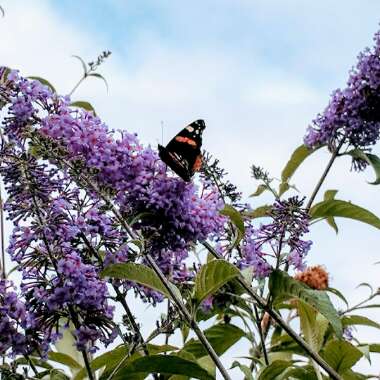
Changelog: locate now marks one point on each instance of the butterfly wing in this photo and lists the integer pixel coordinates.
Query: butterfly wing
(183, 153)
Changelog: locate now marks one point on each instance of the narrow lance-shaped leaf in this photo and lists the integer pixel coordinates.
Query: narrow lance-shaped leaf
(84, 65)
(65, 359)
(259, 212)
(44, 82)
(282, 285)
(296, 159)
(212, 276)
(343, 209)
(260, 189)
(244, 368)
(164, 364)
(83, 104)
(108, 359)
(274, 369)
(100, 76)
(221, 337)
(330, 194)
(138, 273)
(350, 320)
(338, 294)
(234, 216)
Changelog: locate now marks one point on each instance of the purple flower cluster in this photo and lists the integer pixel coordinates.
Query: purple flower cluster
(13, 321)
(138, 179)
(353, 113)
(22, 94)
(173, 215)
(65, 231)
(252, 256)
(46, 243)
(289, 223)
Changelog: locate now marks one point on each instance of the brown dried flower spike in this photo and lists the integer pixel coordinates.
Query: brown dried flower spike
(316, 277)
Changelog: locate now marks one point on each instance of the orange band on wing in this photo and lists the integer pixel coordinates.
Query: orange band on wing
(186, 140)
(198, 163)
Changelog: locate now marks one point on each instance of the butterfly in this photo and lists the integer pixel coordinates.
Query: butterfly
(183, 153)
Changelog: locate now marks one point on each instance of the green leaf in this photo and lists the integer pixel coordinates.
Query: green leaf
(371, 159)
(330, 194)
(83, 104)
(164, 364)
(44, 82)
(56, 374)
(338, 294)
(84, 65)
(245, 369)
(285, 343)
(4, 76)
(341, 355)
(274, 369)
(234, 216)
(221, 337)
(313, 325)
(281, 284)
(36, 361)
(138, 273)
(158, 348)
(67, 360)
(283, 188)
(299, 373)
(260, 212)
(109, 360)
(212, 276)
(343, 209)
(97, 75)
(374, 347)
(364, 349)
(367, 285)
(350, 320)
(208, 364)
(296, 159)
(260, 189)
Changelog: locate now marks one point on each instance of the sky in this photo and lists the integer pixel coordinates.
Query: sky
(257, 71)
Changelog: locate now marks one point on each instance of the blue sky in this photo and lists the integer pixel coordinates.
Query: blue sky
(258, 71)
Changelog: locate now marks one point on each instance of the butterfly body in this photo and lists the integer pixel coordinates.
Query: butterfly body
(183, 152)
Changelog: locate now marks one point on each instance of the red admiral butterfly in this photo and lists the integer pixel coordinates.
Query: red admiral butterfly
(183, 153)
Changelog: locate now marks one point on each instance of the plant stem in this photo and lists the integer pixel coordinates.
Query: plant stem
(32, 366)
(152, 263)
(359, 304)
(87, 364)
(167, 335)
(277, 318)
(324, 174)
(185, 313)
(78, 84)
(119, 297)
(262, 336)
(131, 318)
(42, 223)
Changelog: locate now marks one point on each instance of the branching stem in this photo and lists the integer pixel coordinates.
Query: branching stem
(278, 319)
